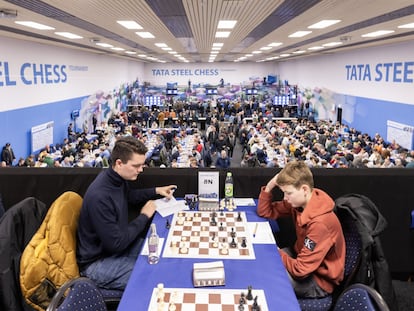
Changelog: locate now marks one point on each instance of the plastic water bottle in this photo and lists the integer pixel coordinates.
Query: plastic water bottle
(228, 186)
(153, 241)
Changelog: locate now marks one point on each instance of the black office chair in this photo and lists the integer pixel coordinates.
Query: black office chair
(78, 294)
(353, 244)
(360, 297)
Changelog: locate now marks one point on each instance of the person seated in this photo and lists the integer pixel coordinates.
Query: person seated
(223, 161)
(316, 262)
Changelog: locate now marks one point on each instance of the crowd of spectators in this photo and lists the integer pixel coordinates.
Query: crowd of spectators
(175, 138)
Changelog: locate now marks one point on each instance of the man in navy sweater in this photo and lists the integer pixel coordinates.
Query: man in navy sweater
(107, 243)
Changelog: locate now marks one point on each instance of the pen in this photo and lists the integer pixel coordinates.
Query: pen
(255, 229)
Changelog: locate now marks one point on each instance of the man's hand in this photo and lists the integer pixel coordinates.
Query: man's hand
(166, 191)
(149, 208)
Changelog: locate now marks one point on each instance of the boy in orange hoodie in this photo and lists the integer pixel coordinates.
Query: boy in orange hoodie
(315, 263)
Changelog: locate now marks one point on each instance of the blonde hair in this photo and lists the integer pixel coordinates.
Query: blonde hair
(296, 174)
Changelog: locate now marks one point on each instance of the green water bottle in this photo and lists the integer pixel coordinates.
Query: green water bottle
(228, 186)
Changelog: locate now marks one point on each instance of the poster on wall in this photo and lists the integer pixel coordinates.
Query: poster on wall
(42, 135)
(400, 133)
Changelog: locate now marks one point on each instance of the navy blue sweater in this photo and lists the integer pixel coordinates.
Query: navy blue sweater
(103, 228)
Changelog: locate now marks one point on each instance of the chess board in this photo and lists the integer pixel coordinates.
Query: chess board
(193, 236)
(195, 299)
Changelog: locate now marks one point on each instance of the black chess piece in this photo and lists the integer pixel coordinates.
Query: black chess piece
(249, 295)
(167, 224)
(233, 243)
(213, 221)
(239, 217)
(243, 243)
(242, 298)
(255, 306)
(233, 233)
(221, 228)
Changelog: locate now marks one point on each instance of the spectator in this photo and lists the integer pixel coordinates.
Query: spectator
(7, 155)
(223, 161)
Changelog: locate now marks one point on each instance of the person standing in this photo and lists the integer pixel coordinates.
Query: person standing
(107, 243)
(7, 154)
(315, 263)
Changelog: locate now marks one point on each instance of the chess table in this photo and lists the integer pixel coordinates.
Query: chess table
(265, 273)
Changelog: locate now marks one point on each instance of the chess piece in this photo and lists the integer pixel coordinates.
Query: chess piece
(167, 224)
(232, 233)
(233, 243)
(239, 217)
(221, 228)
(242, 298)
(243, 244)
(255, 306)
(249, 295)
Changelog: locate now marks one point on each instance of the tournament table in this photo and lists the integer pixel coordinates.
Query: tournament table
(266, 272)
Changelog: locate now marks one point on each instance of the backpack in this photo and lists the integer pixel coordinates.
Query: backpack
(373, 268)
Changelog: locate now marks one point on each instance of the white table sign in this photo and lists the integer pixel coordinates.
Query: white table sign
(208, 184)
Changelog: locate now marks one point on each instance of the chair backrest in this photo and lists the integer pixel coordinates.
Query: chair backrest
(78, 294)
(353, 250)
(360, 297)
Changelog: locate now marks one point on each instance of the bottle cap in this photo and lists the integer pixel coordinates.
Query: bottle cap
(228, 173)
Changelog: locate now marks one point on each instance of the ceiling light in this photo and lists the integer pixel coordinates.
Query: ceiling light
(265, 48)
(314, 48)
(145, 34)
(222, 34)
(218, 44)
(142, 55)
(299, 34)
(118, 49)
(331, 44)
(130, 52)
(257, 52)
(105, 45)
(299, 52)
(324, 23)
(68, 35)
(35, 25)
(248, 55)
(223, 24)
(411, 25)
(274, 44)
(377, 33)
(166, 49)
(284, 55)
(130, 24)
(161, 45)
(214, 52)
(216, 48)
(172, 52)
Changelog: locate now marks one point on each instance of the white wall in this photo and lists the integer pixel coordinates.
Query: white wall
(207, 73)
(61, 73)
(369, 79)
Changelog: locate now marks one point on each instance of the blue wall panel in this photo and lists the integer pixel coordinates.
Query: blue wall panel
(371, 115)
(16, 125)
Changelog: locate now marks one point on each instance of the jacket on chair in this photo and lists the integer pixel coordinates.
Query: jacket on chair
(17, 227)
(49, 260)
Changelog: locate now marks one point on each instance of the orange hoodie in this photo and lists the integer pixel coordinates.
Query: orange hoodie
(320, 243)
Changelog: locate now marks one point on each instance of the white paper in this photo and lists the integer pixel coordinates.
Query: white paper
(144, 250)
(244, 202)
(263, 235)
(167, 207)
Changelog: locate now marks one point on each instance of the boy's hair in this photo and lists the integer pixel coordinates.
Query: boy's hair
(125, 147)
(296, 174)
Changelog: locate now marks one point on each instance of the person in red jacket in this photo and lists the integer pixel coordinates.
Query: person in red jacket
(315, 263)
